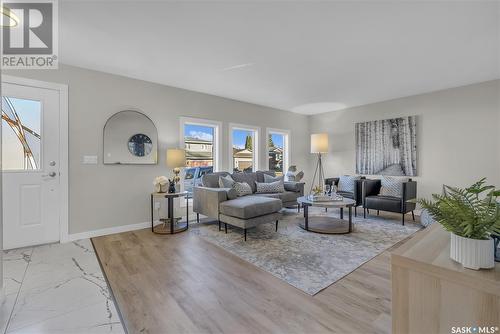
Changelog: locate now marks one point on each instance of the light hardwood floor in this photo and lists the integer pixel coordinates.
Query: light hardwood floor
(183, 284)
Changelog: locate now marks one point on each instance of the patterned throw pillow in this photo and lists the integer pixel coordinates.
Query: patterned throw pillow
(392, 186)
(347, 183)
(270, 178)
(242, 188)
(271, 187)
(226, 181)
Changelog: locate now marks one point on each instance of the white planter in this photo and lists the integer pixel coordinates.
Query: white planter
(472, 253)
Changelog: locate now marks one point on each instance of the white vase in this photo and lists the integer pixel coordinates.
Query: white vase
(472, 253)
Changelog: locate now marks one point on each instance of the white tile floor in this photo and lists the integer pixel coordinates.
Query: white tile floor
(57, 288)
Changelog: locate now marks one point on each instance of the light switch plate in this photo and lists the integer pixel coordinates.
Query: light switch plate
(89, 160)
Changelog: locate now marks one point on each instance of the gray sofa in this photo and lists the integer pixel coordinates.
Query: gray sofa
(247, 211)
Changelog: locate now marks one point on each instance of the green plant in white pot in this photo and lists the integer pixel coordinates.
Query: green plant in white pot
(471, 215)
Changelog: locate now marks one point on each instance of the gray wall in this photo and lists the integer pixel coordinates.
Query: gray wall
(458, 137)
(103, 196)
(457, 133)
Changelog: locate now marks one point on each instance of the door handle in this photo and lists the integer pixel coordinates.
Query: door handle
(51, 174)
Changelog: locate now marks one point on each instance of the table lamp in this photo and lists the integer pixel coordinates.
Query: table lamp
(176, 158)
(319, 145)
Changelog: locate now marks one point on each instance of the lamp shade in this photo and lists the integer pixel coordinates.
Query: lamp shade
(176, 158)
(319, 143)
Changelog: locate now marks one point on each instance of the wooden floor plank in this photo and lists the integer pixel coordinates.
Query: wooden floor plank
(184, 284)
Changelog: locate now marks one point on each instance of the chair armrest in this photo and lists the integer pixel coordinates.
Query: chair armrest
(410, 190)
(358, 190)
(206, 200)
(297, 187)
(370, 188)
(409, 193)
(332, 181)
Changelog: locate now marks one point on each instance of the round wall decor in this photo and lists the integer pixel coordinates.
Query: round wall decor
(140, 145)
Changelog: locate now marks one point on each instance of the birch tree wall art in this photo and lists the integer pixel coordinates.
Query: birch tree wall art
(387, 147)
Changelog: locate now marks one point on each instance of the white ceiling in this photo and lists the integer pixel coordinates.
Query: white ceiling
(306, 57)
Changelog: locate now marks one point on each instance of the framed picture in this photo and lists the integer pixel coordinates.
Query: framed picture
(387, 147)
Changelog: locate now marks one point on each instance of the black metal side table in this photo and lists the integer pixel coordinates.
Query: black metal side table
(171, 224)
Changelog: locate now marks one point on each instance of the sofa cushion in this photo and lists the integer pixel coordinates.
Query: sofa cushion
(212, 180)
(392, 186)
(384, 203)
(287, 196)
(270, 178)
(250, 206)
(347, 183)
(260, 174)
(249, 178)
(272, 195)
(272, 187)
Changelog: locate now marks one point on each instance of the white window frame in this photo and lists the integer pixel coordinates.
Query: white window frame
(217, 147)
(255, 142)
(286, 146)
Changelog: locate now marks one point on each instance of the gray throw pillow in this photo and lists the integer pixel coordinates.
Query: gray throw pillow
(270, 178)
(347, 183)
(249, 178)
(271, 187)
(231, 193)
(242, 188)
(226, 181)
(392, 186)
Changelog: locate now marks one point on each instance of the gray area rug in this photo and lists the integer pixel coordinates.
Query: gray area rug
(308, 261)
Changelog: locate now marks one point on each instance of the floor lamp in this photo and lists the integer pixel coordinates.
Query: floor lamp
(319, 145)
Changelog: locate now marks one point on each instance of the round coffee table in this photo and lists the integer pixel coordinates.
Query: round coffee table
(325, 224)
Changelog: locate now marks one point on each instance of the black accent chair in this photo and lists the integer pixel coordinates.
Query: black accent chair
(356, 196)
(372, 199)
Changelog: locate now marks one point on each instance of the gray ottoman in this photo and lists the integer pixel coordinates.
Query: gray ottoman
(249, 211)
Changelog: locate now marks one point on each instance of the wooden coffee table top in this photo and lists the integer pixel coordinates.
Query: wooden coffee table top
(345, 202)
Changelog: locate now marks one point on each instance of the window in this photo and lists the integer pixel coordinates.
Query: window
(21, 136)
(201, 140)
(244, 148)
(278, 150)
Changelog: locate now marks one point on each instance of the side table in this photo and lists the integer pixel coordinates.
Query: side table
(175, 225)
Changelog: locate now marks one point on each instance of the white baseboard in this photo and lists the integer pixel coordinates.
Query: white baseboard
(109, 230)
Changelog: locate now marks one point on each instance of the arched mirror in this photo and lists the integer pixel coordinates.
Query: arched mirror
(130, 137)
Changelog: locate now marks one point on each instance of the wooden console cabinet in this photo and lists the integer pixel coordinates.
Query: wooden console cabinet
(433, 294)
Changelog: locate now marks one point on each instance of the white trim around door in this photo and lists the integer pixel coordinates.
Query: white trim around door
(63, 144)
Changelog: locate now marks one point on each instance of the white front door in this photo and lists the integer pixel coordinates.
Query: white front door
(30, 164)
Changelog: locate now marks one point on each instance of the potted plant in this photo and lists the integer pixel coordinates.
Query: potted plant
(471, 215)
